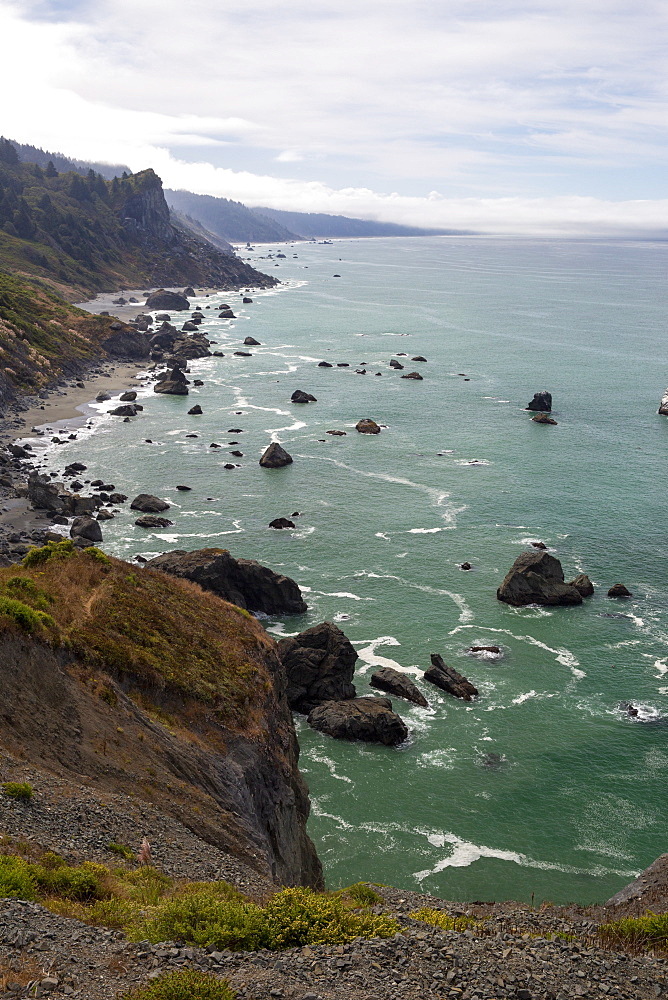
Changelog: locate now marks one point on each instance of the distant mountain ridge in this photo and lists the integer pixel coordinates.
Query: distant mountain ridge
(230, 220)
(317, 225)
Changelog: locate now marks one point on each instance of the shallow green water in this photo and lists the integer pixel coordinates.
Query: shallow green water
(577, 804)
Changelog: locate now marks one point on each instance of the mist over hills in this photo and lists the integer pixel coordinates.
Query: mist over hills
(317, 225)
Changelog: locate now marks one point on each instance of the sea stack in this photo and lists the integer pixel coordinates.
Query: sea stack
(542, 402)
(275, 457)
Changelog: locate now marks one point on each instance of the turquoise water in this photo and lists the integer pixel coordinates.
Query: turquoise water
(577, 804)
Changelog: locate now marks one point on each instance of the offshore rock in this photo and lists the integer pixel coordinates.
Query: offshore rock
(243, 582)
(148, 504)
(663, 407)
(368, 719)
(251, 341)
(152, 521)
(394, 682)
(275, 457)
(86, 527)
(162, 299)
(619, 590)
(413, 375)
(544, 418)
(171, 387)
(278, 522)
(299, 396)
(541, 401)
(128, 397)
(320, 665)
(367, 426)
(127, 410)
(537, 578)
(582, 583)
(449, 680)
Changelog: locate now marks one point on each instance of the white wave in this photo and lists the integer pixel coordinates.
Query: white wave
(424, 531)
(401, 555)
(278, 628)
(275, 431)
(341, 593)
(661, 668)
(474, 461)
(465, 612)
(382, 534)
(563, 656)
(329, 764)
(316, 810)
(532, 694)
(341, 617)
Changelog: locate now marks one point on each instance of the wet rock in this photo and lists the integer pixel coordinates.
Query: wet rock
(162, 299)
(298, 396)
(237, 454)
(246, 301)
(189, 291)
(485, 649)
(544, 418)
(86, 527)
(148, 504)
(370, 720)
(449, 680)
(537, 578)
(324, 364)
(394, 682)
(117, 498)
(663, 407)
(102, 397)
(127, 410)
(320, 665)
(195, 410)
(152, 521)
(619, 590)
(582, 583)
(336, 433)
(396, 364)
(226, 314)
(282, 522)
(466, 566)
(184, 489)
(367, 426)
(172, 386)
(541, 401)
(105, 515)
(418, 357)
(244, 582)
(414, 375)
(128, 397)
(275, 457)
(198, 382)
(539, 545)
(251, 341)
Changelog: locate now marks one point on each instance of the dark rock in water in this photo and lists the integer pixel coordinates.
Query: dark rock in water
(493, 760)
(197, 381)
(282, 522)
(537, 578)
(105, 515)
(485, 649)
(127, 410)
(152, 521)
(226, 314)
(396, 364)
(148, 504)
(336, 433)
(320, 665)
(189, 326)
(117, 498)
(243, 582)
(128, 397)
(298, 396)
(414, 375)
(539, 545)
(393, 681)
(237, 454)
(342, 364)
(543, 418)
(619, 590)
(649, 891)
(195, 410)
(367, 426)
(275, 457)
(184, 489)
(466, 566)
(368, 719)
(418, 357)
(189, 291)
(171, 388)
(251, 341)
(246, 301)
(582, 583)
(324, 364)
(86, 527)
(449, 680)
(243, 354)
(162, 299)
(162, 317)
(102, 397)
(663, 407)
(541, 401)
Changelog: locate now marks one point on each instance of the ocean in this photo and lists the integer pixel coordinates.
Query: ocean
(543, 787)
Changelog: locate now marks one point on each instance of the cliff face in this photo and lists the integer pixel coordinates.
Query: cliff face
(110, 698)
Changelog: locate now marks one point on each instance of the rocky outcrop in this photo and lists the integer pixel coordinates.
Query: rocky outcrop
(243, 582)
(87, 528)
(299, 396)
(278, 522)
(537, 578)
(583, 584)
(449, 680)
(619, 590)
(413, 375)
(275, 457)
(251, 341)
(153, 521)
(149, 504)
(541, 401)
(370, 720)
(394, 682)
(124, 341)
(319, 665)
(649, 891)
(544, 418)
(172, 383)
(163, 299)
(367, 426)
(663, 406)
(126, 410)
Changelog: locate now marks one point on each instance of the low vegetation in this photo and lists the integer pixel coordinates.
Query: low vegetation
(182, 985)
(439, 918)
(17, 790)
(646, 933)
(150, 906)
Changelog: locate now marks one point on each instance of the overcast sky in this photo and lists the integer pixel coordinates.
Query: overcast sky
(496, 115)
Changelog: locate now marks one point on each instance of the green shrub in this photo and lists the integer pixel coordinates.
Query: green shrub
(24, 616)
(92, 552)
(183, 985)
(52, 550)
(120, 849)
(79, 883)
(17, 790)
(361, 893)
(292, 918)
(438, 918)
(639, 933)
(26, 588)
(16, 879)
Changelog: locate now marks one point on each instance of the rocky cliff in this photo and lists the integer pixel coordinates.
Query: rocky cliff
(145, 683)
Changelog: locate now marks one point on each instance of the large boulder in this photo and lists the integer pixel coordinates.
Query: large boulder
(87, 528)
(162, 299)
(367, 426)
(394, 682)
(243, 582)
(275, 457)
(619, 590)
(124, 341)
(148, 504)
(45, 495)
(537, 578)
(299, 396)
(582, 583)
(153, 521)
(448, 679)
(126, 410)
(663, 407)
(172, 386)
(320, 665)
(542, 401)
(369, 719)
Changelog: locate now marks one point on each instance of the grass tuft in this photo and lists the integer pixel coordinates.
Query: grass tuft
(646, 933)
(17, 790)
(438, 918)
(186, 984)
